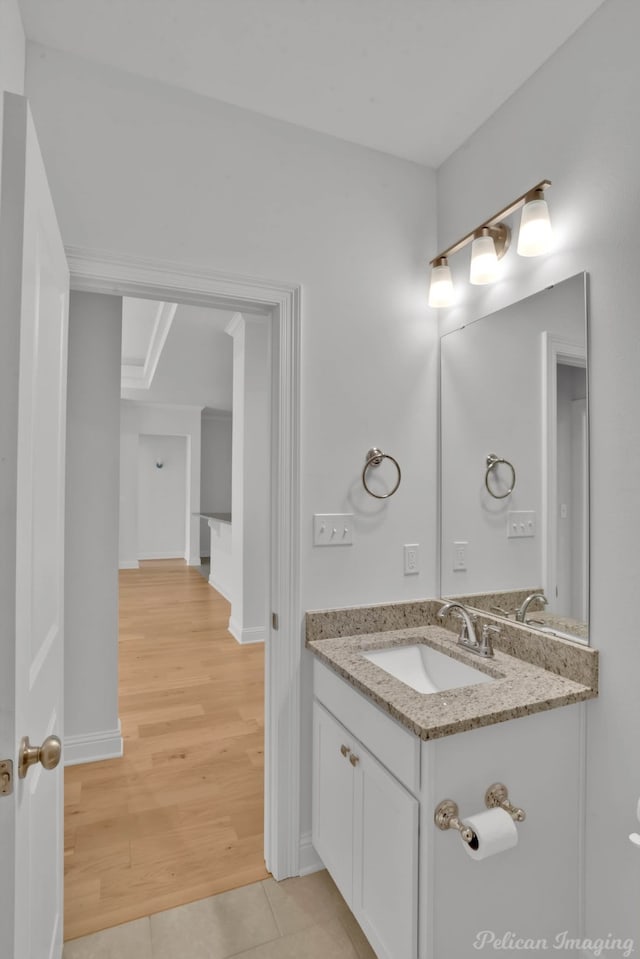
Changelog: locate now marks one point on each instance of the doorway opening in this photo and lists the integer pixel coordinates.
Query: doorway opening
(281, 831)
(565, 478)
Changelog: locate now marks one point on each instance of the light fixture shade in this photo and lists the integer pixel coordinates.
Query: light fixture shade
(441, 286)
(484, 261)
(535, 233)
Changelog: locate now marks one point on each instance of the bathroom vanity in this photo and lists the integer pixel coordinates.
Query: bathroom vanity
(385, 754)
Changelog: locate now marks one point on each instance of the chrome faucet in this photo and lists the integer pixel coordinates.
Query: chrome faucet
(467, 635)
(524, 606)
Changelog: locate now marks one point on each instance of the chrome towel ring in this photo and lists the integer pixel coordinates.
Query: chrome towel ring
(492, 462)
(374, 458)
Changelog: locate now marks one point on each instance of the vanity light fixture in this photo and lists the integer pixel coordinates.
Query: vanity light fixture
(441, 287)
(490, 241)
(534, 237)
(487, 247)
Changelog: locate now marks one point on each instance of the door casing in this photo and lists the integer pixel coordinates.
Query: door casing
(100, 272)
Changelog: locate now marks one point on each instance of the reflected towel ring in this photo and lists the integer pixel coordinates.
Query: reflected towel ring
(374, 458)
(492, 462)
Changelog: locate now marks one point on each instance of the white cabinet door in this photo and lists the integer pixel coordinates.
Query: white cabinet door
(333, 780)
(365, 830)
(385, 900)
(34, 286)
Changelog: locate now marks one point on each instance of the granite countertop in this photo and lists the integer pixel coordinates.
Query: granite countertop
(508, 601)
(520, 688)
(574, 627)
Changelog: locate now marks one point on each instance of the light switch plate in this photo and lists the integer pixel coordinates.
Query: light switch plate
(521, 523)
(333, 529)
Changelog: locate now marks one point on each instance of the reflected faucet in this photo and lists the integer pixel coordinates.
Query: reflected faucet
(467, 636)
(524, 606)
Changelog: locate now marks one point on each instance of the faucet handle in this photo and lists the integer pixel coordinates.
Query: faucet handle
(486, 643)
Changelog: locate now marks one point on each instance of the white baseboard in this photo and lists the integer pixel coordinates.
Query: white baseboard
(128, 564)
(310, 861)
(93, 747)
(219, 587)
(252, 634)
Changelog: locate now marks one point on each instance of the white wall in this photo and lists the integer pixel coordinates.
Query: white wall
(12, 52)
(195, 364)
(147, 170)
(157, 420)
(128, 525)
(250, 486)
(162, 497)
(91, 527)
(12, 47)
(248, 194)
(574, 122)
(215, 485)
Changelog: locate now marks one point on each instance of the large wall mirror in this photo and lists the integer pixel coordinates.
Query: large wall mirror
(514, 459)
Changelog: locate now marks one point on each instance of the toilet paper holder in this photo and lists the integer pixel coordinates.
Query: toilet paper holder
(446, 815)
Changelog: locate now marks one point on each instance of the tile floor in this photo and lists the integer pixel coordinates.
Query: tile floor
(303, 918)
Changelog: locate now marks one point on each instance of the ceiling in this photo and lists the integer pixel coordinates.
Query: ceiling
(139, 320)
(186, 353)
(413, 78)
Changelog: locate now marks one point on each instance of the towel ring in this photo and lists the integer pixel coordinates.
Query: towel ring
(374, 458)
(492, 462)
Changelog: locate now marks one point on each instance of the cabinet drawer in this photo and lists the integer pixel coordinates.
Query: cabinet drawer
(395, 747)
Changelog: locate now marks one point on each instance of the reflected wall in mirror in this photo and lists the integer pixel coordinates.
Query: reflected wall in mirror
(514, 386)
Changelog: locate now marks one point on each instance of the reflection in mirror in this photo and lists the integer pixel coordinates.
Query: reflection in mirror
(514, 459)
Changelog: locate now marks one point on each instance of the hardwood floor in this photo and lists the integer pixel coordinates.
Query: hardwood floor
(180, 816)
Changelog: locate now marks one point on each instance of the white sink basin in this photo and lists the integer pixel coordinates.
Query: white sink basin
(425, 669)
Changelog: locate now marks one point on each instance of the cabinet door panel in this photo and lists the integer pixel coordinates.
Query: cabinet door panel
(385, 861)
(333, 781)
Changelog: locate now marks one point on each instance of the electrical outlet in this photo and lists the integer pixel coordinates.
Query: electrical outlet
(411, 559)
(333, 529)
(460, 556)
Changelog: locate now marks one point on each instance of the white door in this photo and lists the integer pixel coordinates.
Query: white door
(34, 284)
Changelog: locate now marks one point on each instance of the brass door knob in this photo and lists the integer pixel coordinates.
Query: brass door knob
(48, 754)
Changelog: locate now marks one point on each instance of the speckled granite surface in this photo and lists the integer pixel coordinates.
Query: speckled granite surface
(551, 673)
(353, 620)
(508, 601)
(565, 624)
(563, 657)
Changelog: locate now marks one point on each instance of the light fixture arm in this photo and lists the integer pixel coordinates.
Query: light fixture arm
(534, 192)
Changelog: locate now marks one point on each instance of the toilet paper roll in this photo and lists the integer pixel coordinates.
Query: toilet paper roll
(495, 831)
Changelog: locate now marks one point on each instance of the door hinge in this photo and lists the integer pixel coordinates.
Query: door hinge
(274, 621)
(6, 777)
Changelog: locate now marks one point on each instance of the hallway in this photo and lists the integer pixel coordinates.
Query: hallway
(180, 816)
